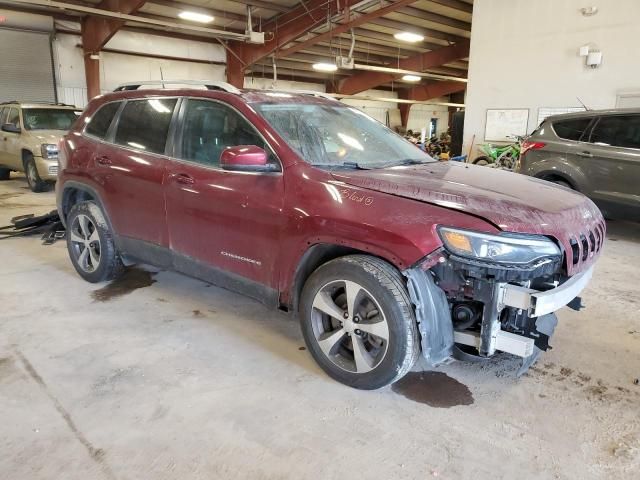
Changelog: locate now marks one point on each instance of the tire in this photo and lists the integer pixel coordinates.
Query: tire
(36, 184)
(381, 297)
(482, 161)
(90, 244)
(5, 174)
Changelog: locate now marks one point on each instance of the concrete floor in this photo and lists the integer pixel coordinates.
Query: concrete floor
(180, 380)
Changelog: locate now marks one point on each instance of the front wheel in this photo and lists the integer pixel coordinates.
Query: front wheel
(5, 174)
(358, 323)
(36, 184)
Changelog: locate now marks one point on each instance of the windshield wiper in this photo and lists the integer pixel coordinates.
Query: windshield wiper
(352, 165)
(408, 161)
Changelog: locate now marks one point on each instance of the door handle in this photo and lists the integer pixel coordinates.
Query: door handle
(182, 178)
(102, 160)
(585, 154)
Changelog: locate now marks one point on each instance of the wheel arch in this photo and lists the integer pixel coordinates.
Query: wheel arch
(75, 192)
(318, 254)
(551, 175)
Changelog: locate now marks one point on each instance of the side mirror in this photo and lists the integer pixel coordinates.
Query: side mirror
(11, 128)
(246, 158)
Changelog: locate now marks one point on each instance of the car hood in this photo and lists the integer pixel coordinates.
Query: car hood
(47, 136)
(512, 202)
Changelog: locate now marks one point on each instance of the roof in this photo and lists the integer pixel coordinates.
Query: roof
(63, 106)
(591, 113)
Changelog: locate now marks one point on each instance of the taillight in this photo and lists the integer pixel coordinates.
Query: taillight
(526, 146)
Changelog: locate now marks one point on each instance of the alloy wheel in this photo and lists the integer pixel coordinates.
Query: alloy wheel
(31, 174)
(349, 326)
(85, 242)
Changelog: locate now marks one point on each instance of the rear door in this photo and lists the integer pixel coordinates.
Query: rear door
(230, 221)
(130, 166)
(614, 154)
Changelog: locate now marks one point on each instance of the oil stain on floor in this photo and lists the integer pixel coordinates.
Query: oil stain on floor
(132, 279)
(435, 389)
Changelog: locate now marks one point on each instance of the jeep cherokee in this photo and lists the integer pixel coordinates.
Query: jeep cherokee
(311, 206)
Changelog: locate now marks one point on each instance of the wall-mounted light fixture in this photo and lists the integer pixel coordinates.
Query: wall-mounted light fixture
(592, 55)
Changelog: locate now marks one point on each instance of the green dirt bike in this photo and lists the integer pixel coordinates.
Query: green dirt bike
(504, 157)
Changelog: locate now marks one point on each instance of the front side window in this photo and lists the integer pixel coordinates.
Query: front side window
(617, 131)
(49, 118)
(571, 129)
(144, 124)
(13, 117)
(3, 115)
(210, 127)
(338, 136)
(100, 122)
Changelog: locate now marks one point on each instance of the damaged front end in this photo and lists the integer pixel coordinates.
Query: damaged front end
(483, 293)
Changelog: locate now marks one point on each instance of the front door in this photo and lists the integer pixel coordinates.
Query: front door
(221, 221)
(11, 145)
(613, 155)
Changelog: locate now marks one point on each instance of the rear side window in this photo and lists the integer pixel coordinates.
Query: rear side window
(144, 124)
(101, 120)
(618, 131)
(571, 129)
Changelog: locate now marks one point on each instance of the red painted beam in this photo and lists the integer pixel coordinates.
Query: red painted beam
(97, 31)
(431, 90)
(345, 27)
(419, 63)
(287, 27)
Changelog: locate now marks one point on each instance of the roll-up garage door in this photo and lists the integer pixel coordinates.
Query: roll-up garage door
(26, 69)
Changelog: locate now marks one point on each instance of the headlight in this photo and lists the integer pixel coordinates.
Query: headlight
(49, 151)
(513, 249)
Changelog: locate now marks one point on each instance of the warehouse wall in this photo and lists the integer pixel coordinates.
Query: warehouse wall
(118, 68)
(524, 54)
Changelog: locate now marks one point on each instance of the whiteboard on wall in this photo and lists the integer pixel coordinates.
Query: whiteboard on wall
(544, 112)
(503, 123)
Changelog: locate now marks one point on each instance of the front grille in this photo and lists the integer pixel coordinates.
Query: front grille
(586, 245)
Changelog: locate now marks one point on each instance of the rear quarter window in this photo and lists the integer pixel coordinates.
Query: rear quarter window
(571, 129)
(100, 122)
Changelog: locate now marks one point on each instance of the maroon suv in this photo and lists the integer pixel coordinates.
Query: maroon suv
(311, 206)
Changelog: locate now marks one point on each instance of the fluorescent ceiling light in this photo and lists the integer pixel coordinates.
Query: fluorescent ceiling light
(195, 17)
(325, 67)
(408, 37)
(411, 78)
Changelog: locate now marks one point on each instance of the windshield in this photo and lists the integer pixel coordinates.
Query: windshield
(339, 136)
(49, 118)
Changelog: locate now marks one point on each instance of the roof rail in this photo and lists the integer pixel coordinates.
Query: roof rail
(210, 84)
(313, 93)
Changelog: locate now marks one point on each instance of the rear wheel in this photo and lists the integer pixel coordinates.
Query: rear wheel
(358, 322)
(36, 184)
(90, 244)
(482, 161)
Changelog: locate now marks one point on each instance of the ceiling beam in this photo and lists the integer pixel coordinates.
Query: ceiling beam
(345, 27)
(265, 5)
(97, 31)
(435, 58)
(435, 18)
(425, 32)
(235, 17)
(430, 90)
(284, 29)
(455, 4)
